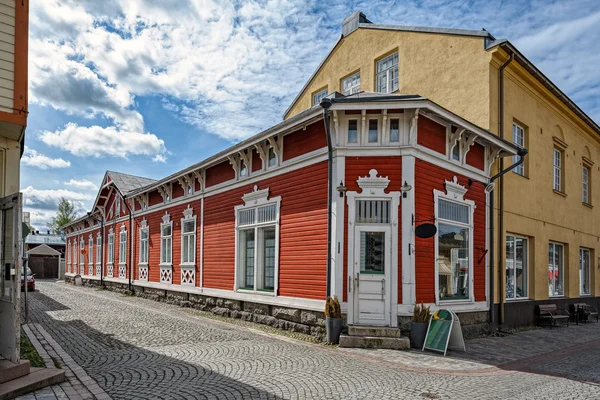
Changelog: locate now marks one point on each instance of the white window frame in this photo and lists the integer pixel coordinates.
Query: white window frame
(582, 251)
(350, 85)
(454, 194)
(74, 248)
(318, 96)
(519, 140)
(166, 222)
(368, 132)
(143, 260)
(254, 200)
(99, 253)
(557, 164)
(562, 261)
(81, 255)
(585, 184)
(525, 270)
(111, 246)
(91, 251)
(122, 245)
(388, 74)
(187, 217)
(347, 130)
(69, 254)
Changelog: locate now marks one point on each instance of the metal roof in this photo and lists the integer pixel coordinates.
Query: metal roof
(128, 183)
(41, 238)
(426, 29)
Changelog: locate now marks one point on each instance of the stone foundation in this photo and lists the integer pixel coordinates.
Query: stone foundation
(284, 318)
(472, 323)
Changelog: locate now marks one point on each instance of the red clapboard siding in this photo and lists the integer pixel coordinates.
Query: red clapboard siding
(304, 141)
(219, 173)
(431, 135)
(154, 198)
(390, 166)
(303, 232)
(427, 178)
(176, 190)
(256, 161)
(476, 156)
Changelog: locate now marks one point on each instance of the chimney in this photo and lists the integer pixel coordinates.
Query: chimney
(351, 22)
(48, 231)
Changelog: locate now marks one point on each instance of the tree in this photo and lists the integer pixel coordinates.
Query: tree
(66, 214)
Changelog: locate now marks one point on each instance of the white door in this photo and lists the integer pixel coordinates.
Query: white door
(372, 262)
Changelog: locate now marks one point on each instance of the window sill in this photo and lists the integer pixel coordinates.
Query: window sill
(143, 264)
(258, 292)
(122, 263)
(588, 205)
(521, 175)
(165, 265)
(563, 194)
(518, 300)
(557, 296)
(585, 295)
(454, 302)
(187, 265)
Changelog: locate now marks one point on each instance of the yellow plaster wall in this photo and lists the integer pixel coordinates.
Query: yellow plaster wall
(531, 207)
(450, 70)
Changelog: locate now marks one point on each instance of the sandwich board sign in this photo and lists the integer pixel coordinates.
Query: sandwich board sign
(444, 332)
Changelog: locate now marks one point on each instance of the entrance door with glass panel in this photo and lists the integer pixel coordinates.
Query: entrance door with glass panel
(372, 267)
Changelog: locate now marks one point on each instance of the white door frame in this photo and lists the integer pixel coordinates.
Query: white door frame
(373, 188)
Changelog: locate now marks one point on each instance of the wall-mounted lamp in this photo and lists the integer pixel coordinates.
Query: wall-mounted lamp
(405, 189)
(342, 189)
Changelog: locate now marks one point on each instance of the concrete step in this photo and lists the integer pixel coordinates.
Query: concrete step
(10, 371)
(375, 342)
(36, 379)
(376, 331)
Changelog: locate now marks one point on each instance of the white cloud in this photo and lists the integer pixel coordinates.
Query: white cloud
(160, 158)
(48, 198)
(82, 184)
(97, 141)
(34, 159)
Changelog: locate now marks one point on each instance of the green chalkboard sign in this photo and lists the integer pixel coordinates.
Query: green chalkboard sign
(444, 328)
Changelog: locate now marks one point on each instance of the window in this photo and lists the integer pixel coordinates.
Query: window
(81, 248)
(584, 271)
(74, 254)
(585, 185)
(188, 237)
(387, 74)
(243, 169)
(351, 84)
(123, 246)
(516, 267)
(190, 190)
(272, 157)
(117, 207)
(166, 243)
(394, 130)
(257, 246)
(91, 248)
(144, 245)
(555, 269)
(453, 250)
(557, 170)
(69, 253)
(111, 246)
(317, 97)
(373, 131)
(519, 140)
(372, 211)
(352, 131)
(456, 151)
(98, 248)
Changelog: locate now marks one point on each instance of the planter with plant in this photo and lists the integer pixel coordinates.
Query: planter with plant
(333, 319)
(418, 326)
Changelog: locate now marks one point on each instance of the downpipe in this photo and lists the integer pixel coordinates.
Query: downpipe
(326, 104)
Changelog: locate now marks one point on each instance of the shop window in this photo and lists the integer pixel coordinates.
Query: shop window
(555, 269)
(516, 267)
(584, 271)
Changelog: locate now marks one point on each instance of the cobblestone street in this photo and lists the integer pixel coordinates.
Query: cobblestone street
(130, 348)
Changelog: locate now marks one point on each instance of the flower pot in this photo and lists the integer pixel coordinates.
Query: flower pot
(418, 330)
(333, 326)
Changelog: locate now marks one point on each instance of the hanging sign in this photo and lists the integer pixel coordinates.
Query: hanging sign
(425, 231)
(444, 332)
(83, 252)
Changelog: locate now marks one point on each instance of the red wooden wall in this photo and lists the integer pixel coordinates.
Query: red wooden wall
(304, 141)
(476, 156)
(431, 134)
(427, 178)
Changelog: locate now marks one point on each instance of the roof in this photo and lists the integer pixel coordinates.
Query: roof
(548, 84)
(127, 183)
(44, 250)
(40, 238)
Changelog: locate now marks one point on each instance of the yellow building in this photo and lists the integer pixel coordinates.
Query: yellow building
(546, 233)
(14, 31)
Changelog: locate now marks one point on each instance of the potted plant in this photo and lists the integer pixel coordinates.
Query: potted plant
(333, 319)
(418, 326)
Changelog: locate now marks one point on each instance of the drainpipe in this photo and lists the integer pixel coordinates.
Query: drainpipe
(521, 153)
(132, 230)
(102, 252)
(501, 193)
(326, 103)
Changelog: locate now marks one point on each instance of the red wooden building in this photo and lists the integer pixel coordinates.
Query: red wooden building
(245, 232)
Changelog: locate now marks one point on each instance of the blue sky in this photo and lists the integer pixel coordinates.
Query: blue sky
(149, 87)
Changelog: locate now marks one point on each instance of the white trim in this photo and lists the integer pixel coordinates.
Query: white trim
(405, 310)
(454, 193)
(408, 233)
(166, 221)
(375, 187)
(201, 280)
(144, 227)
(188, 216)
(338, 225)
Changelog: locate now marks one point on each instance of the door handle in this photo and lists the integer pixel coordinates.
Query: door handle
(349, 283)
(383, 290)
(357, 279)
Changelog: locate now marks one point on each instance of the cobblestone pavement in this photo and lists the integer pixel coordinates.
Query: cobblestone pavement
(139, 349)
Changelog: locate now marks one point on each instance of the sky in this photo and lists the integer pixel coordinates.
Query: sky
(149, 87)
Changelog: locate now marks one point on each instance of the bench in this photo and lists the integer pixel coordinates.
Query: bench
(552, 314)
(584, 312)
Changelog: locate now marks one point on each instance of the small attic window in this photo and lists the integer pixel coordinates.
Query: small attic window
(317, 97)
